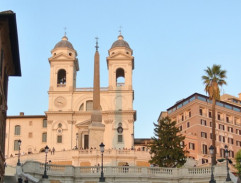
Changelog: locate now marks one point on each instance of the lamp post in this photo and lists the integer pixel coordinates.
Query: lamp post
(19, 148)
(45, 176)
(102, 149)
(226, 156)
(211, 149)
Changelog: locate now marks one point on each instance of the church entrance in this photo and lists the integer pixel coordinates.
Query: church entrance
(86, 141)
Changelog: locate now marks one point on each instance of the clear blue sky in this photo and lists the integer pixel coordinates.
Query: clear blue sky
(173, 42)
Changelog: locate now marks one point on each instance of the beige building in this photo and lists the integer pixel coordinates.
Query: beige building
(193, 116)
(73, 119)
(9, 66)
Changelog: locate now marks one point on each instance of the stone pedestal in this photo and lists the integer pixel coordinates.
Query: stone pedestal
(96, 134)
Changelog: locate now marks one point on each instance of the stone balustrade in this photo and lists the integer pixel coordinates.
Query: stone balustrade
(71, 174)
(93, 155)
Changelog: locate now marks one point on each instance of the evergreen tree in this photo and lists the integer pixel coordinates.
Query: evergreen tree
(167, 147)
(238, 161)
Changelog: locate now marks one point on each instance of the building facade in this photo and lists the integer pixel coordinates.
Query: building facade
(194, 118)
(80, 118)
(9, 66)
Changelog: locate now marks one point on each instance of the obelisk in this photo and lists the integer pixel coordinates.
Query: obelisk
(96, 129)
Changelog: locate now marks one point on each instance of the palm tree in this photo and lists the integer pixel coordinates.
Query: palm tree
(212, 80)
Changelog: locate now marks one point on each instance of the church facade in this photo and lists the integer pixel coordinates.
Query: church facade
(80, 118)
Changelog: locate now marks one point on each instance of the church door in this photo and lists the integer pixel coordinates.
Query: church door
(86, 141)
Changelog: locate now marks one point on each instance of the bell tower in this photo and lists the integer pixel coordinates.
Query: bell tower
(63, 69)
(120, 63)
(63, 66)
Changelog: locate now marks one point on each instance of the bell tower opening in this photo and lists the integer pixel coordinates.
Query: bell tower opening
(61, 78)
(120, 77)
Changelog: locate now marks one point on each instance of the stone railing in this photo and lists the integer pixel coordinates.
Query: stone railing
(195, 174)
(76, 156)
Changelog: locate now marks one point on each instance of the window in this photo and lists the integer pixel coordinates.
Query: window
(61, 78)
(17, 130)
(190, 114)
(235, 120)
(89, 105)
(211, 136)
(44, 137)
(230, 129)
(210, 114)
(219, 116)
(204, 134)
(59, 139)
(211, 124)
(182, 144)
(30, 135)
(203, 122)
(30, 123)
(238, 143)
(16, 146)
(182, 117)
(221, 138)
(238, 131)
(201, 111)
(222, 152)
(188, 124)
(192, 146)
(230, 140)
(221, 127)
(231, 154)
(180, 128)
(205, 149)
(227, 119)
(120, 138)
(120, 77)
(45, 123)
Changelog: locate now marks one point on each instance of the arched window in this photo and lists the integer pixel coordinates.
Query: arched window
(120, 77)
(61, 77)
(89, 105)
(17, 130)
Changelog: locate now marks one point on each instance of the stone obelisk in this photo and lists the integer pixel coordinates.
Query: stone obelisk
(96, 129)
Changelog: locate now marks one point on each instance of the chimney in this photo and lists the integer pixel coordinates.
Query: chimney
(21, 113)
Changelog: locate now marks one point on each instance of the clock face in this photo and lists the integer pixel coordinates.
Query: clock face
(60, 101)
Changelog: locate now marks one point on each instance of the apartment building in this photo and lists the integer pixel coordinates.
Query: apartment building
(194, 118)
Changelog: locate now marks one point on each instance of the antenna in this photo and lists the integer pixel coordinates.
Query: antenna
(96, 46)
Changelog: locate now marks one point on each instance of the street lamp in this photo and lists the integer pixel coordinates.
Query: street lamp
(226, 156)
(19, 148)
(211, 149)
(45, 176)
(102, 149)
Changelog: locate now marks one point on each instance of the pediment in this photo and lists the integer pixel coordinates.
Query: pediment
(120, 56)
(61, 56)
(83, 123)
